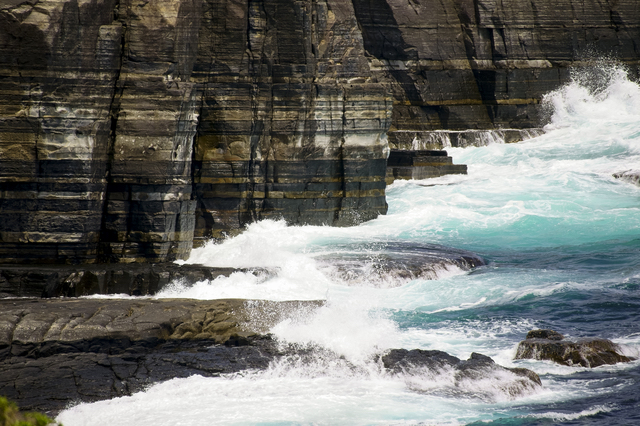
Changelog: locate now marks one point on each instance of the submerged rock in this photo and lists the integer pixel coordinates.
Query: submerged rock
(466, 376)
(387, 263)
(631, 176)
(552, 346)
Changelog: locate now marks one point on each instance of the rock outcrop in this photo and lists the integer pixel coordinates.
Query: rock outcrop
(130, 131)
(395, 263)
(513, 382)
(138, 279)
(552, 346)
(54, 352)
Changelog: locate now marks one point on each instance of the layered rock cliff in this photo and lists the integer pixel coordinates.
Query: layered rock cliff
(129, 130)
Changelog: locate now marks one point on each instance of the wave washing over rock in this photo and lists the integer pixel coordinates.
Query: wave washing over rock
(135, 131)
(559, 235)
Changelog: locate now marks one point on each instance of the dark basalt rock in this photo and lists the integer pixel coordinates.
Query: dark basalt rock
(477, 367)
(552, 346)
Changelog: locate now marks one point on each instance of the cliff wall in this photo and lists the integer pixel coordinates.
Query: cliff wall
(130, 130)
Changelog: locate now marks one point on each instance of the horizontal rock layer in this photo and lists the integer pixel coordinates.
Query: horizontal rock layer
(139, 279)
(131, 131)
(56, 352)
(421, 164)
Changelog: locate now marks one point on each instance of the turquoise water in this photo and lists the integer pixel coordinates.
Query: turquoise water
(561, 238)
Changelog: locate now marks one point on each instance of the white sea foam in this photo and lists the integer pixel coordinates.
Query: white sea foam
(555, 190)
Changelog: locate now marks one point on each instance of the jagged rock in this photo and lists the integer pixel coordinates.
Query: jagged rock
(631, 176)
(478, 367)
(394, 260)
(53, 352)
(552, 346)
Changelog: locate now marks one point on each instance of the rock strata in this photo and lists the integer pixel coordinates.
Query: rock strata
(423, 164)
(476, 368)
(553, 346)
(130, 131)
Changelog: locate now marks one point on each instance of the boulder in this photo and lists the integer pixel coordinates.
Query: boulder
(553, 346)
(396, 262)
(468, 376)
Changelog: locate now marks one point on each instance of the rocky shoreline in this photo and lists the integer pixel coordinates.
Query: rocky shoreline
(59, 352)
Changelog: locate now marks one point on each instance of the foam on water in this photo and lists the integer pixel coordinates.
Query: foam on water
(559, 232)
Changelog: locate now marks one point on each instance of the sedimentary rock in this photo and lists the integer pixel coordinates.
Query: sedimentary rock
(138, 279)
(481, 64)
(423, 164)
(442, 139)
(130, 130)
(477, 367)
(551, 345)
(292, 122)
(53, 352)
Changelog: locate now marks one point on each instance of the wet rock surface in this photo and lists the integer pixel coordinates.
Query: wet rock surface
(553, 346)
(373, 262)
(421, 164)
(139, 279)
(514, 382)
(55, 352)
(631, 176)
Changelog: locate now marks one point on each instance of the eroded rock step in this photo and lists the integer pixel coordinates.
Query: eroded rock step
(420, 164)
(137, 279)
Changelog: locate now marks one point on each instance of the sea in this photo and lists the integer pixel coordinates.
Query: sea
(560, 236)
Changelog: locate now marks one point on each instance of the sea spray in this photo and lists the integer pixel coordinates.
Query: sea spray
(561, 237)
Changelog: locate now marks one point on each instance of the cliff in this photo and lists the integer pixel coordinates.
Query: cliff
(132, 130)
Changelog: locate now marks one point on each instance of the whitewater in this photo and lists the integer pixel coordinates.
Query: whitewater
(561, 238)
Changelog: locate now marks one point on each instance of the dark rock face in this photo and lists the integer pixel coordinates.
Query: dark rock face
(132, 130)
(552, 346)
(54, 352)
(476, 368)
(138, 279)
(129, 129)
(481, 64)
